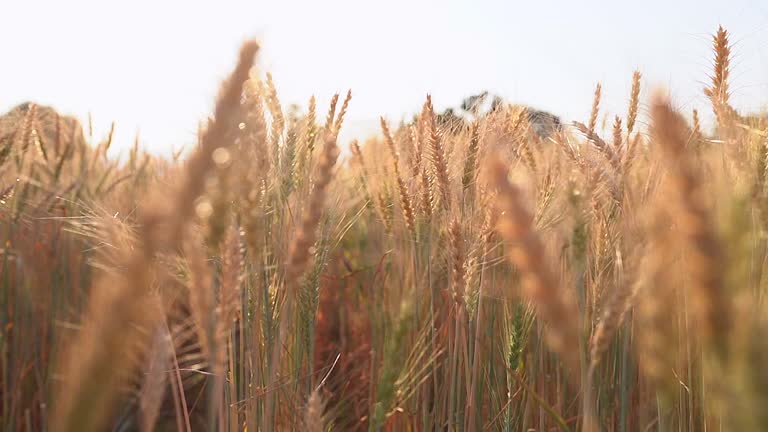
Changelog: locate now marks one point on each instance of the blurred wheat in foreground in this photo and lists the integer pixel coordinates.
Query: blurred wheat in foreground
(467, 273)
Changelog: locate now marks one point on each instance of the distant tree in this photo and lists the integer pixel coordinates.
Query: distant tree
(484, 103)
(449, 120)
(543, 122)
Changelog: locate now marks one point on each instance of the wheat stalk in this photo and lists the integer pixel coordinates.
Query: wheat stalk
(704, 262)
(437, 155)
(634, 102)
(595, 109)
(300, 256)
(526, 251)
(405, 199)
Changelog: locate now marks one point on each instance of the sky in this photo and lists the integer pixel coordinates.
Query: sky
(154, 66)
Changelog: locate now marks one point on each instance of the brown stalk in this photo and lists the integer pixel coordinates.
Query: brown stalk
(405, 199)
(632, 144)
(437, 154)
(426, 194)
(539, 284)
(595, 109)
(518, 133)
(634, 102)
(278, 118)
(471, 159)
(718, 91)
(253, 168)
(219, 134)
(617, 138)
(600, 145)
(94, 365)
(299, 259)
(696, 127)
(657, 340)
(331, 113)
(201, 298)
(416, 152)
(311, 132)
(156, 377)
(27, 128)
(313, 419)
(299, 254)
(610, 321)
(695, 226)
(231, 274)
(458, 258)
(342, 112)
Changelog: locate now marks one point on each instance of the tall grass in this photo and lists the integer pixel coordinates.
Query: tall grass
(446, 276)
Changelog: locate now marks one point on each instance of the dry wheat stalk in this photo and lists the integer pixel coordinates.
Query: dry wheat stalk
(156, 378)
(657, 340)
(704, 260)
(610, 321)
(231, 278)
(278, 120)
(696, 123)
(405, 199)
(342, 112)
(632, 144)
(526, 251)
(595, 109)
(458, 258)
(634, 102)
(606, 150)
(300, 255)
(219, 134)
(718, 91)
(437, 155)
(471, 160)
(310, 125)
(313, 418)
(27, 128)
(253, 168)
(201, 295)
(95, 364)
(414, 160)
(520, 133)
(617, 138)
(331, 113)
(427, 199)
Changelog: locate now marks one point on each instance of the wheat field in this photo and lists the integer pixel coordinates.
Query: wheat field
(452, 275)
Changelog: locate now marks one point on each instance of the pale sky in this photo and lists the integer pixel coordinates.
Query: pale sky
(155, 66)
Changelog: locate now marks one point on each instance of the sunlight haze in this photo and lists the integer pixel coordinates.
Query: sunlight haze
(154, 67)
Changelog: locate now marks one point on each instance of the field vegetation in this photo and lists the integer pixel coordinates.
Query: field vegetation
(455, 273)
